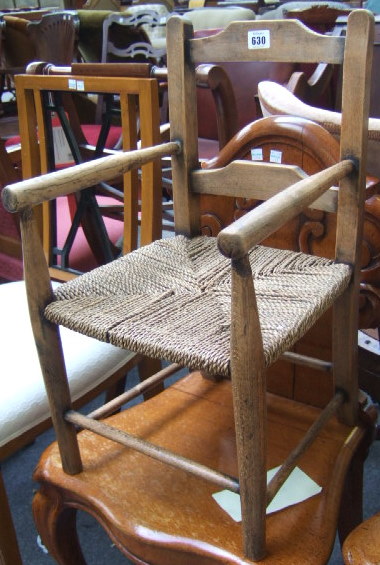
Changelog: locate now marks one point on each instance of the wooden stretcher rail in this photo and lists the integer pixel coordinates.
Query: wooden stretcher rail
(131, 70)
(147, 384)
(287, 467)
(159, 453)
(307, 361)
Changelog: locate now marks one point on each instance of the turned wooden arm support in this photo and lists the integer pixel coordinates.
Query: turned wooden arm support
(68, 181)
(277, 100)
(237, 239)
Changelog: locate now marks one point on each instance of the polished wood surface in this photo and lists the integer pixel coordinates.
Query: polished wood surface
(362, 547)
(166, 516)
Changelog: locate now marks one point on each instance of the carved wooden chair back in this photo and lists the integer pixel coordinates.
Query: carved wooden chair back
(55, 37)
(320, 18)
(124, 38)
(180, 299)
(51, 39)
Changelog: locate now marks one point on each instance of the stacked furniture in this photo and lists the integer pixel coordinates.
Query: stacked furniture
(180, 299)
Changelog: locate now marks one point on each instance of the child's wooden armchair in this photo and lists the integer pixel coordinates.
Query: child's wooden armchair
(182, 300)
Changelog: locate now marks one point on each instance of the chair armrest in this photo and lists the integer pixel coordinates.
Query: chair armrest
(277, 100)
(237, 239)
(68, 181)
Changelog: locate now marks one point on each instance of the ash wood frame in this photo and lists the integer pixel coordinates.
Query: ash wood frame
(236, 240)
(247, 360)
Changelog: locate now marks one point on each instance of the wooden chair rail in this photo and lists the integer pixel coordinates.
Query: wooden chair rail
(170, 458)
(236, 240)
(116, 403)
(224, 481)
(36, 190)
(227, 182)
(324, 48)
(289, 464)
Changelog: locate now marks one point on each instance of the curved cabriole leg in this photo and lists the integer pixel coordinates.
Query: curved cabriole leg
(56, 524)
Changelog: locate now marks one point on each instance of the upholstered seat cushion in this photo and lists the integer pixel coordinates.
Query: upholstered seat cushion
(23, 402)
(218, 17)
(171, 300)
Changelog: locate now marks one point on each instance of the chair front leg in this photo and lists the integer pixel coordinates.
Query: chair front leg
(249, 398)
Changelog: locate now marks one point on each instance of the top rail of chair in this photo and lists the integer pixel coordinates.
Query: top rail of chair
(271, 40)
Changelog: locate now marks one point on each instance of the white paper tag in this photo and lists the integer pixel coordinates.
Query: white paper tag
(76, 84)
(257, 154)
(275, 156)
(62, 152)
(259, 39)
(297, 488)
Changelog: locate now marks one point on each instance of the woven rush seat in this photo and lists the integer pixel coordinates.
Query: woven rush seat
(171, 300)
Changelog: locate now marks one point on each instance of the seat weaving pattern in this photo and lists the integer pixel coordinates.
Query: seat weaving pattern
(171, 300)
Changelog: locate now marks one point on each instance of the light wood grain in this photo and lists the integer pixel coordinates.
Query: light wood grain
(238, 238)
(248, 376)
(256, 180)
(285, 39)
(67, 181)
(184, 127)
(48, 342)
(350, 210)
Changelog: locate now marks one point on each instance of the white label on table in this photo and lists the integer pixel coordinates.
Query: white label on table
(72, 84)
(297, 488)
(259, 39)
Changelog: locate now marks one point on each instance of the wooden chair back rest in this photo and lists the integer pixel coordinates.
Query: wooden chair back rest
(52, 38)
(275, 41)
(19, 49)
(10, 242)
(320, 18)
(134, 93)
(91, 34)
(125, 39)
(55, 37)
